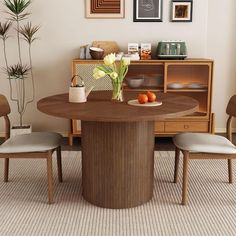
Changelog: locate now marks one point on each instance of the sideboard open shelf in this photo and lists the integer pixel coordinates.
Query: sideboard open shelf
(158, 76)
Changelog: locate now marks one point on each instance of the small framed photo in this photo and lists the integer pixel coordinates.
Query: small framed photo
(182, 10)
(104, 8)
(147, 11)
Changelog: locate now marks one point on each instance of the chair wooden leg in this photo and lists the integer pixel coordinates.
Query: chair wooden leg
(177, 153)
(185, 177)
(6, 169)
(50, 178)
(70, 140)
(230, 170)
(59, 165)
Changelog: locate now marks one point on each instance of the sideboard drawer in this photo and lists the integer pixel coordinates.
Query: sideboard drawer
(192, 126)
(159, 126)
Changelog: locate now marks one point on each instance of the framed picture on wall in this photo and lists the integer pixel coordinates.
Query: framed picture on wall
(182, 10)
(104, 8)
(147, 11)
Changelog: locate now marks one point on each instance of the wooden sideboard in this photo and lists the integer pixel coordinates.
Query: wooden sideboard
(190, 77)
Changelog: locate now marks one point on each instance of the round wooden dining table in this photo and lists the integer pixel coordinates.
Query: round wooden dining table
(117, 143)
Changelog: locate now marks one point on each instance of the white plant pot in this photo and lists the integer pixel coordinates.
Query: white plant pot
(17, 130)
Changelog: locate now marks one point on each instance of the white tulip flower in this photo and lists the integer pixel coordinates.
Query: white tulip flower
(95, 70)
(98, 74)
(109, 59)
(114, 75)
(126, 61)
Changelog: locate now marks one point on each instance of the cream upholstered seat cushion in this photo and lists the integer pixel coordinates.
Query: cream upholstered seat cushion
(208, 143)
(33, 142)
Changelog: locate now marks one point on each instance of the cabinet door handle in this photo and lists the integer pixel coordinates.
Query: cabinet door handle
(186, 126)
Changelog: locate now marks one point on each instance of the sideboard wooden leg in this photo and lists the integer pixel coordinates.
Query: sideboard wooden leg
(70, 139)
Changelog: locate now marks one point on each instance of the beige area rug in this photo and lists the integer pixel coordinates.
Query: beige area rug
(23, 208)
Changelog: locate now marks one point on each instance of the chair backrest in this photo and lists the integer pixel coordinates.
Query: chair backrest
(4, 106)
(231, 111)
(4, 111)
(231, 108)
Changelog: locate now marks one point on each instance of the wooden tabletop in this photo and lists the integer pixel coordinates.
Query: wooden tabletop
(99, 107)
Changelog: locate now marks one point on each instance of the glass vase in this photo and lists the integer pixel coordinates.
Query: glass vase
(117, 93)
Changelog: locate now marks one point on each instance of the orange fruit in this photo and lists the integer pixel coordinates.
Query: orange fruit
(151, 96)
(142, 98)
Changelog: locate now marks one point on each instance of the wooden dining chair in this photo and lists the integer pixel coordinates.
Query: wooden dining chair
(33, 145)
(205, 146)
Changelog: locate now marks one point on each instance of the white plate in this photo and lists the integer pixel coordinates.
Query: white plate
(148, 104)
(175, 86)
(196, 86)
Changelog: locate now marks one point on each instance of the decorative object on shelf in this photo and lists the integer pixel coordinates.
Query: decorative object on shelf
(20, 75)
(105, 8)
(133, 48)
(196, 86)
(171, 49)
(108, 46)
(132, 57)
(147, 11)
(119, 55)
(135, 82)
(82, 52)
(116, 72)
(176, 85)
(96, 53)
(154, 80)
(87, 55)
(146, 52)
(77, 92)
(182, 10)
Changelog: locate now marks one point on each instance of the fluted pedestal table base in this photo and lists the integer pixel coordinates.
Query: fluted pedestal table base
(117, 163)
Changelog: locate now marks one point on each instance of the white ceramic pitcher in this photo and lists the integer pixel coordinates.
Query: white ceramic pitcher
(78, 93)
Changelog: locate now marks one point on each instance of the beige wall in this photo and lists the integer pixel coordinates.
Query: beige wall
(221, 35)
(64, 28)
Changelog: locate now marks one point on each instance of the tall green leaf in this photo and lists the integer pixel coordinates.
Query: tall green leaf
(16, 8)
(4, 27)
(17, 71)
(28, 32)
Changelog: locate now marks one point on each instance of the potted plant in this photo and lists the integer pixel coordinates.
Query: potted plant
(19, 75)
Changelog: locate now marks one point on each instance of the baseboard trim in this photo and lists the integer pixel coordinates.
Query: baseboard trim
(64, 134)
(223, 130)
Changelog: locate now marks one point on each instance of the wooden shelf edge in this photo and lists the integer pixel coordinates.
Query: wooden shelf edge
(187, 60)
(187, 90)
